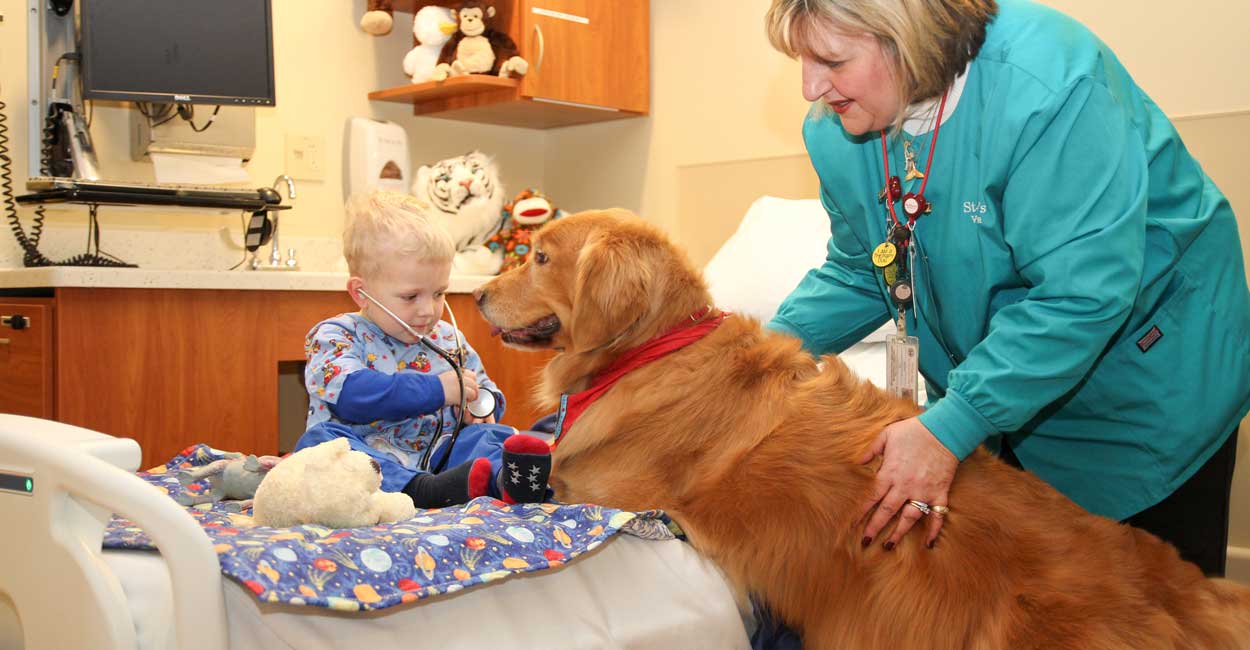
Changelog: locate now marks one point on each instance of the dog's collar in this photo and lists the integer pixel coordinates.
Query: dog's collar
(573, 405)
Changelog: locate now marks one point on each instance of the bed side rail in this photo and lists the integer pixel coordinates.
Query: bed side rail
(61, 484)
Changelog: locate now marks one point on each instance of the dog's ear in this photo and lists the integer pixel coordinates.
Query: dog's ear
(610, 289)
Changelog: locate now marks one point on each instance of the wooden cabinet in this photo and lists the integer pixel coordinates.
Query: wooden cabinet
(589, 62)
(26, 359)
(172, 367)
(603, 61)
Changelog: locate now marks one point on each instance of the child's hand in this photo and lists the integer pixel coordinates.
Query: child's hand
(451, 387)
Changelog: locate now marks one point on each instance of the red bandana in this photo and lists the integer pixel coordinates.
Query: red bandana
(572, 406)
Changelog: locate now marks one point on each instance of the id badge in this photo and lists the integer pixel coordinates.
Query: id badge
(902, 365)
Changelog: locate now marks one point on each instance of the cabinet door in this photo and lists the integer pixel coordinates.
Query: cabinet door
(26, 359)
(594, 52)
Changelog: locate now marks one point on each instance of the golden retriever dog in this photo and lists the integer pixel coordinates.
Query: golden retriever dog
(751, 446)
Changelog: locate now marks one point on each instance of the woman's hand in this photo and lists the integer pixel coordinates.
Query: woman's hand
(915, 466)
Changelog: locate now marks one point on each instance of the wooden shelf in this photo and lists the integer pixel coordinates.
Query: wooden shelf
(491, 100)
(411, 6)
(585, 78)
(451, 87)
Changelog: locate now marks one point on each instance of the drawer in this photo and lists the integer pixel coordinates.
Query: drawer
(26, 358)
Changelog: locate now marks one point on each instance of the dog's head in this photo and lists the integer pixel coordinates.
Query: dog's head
(597, 283)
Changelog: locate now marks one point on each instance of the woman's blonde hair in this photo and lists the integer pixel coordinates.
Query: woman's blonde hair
(384, 224)
(927, 42)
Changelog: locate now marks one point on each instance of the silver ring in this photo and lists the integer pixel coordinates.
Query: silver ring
(923, 507)
(940, 510)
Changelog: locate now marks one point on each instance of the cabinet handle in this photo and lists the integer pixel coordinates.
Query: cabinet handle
(17, 321)
(5, 341)
(542, 49)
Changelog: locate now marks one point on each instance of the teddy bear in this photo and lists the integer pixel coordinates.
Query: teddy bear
(521, 217)
(478, 48)
(432, 27)
(330, 485)
(378, 18)
(233, 478)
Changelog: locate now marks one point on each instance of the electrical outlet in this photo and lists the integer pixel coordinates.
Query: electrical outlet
(305, 157)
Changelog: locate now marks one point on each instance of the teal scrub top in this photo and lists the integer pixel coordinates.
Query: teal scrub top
(1079, 286)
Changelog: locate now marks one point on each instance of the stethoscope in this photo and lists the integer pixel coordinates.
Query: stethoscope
(481, 407)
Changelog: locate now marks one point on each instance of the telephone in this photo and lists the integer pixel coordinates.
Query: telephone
(56, 130)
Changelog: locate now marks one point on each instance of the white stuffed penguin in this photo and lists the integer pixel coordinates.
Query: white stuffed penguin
(432, 27)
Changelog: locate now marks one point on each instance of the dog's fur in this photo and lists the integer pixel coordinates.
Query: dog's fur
(751, 447)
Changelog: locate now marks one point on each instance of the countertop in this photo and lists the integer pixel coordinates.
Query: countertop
(79, 276)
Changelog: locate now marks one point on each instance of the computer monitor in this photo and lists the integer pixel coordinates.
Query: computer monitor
(178, 51)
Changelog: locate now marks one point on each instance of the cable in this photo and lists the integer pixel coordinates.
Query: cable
(243, 223)
(171, 115)
(30, 245)
(31, 257)
(191, 114)
(931, 297)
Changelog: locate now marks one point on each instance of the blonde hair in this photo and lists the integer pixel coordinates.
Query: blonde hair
(383, 224)
(927, 42)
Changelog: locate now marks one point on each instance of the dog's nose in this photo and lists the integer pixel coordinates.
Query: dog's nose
(376, 467)
(479, 296)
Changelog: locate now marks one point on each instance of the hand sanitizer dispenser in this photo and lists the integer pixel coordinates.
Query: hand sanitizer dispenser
(378, 157)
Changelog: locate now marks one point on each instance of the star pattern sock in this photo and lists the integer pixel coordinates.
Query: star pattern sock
(452, 487)
(526, 468)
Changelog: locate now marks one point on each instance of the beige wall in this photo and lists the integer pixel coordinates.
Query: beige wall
(324, 67)
(720, 93)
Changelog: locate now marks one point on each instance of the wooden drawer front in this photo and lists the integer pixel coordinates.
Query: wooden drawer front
(26, 360)
(169, 367)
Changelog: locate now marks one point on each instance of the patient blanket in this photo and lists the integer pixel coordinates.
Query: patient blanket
(439, 551)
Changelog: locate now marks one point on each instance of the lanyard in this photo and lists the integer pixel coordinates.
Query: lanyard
(891, 255)
(914, 204)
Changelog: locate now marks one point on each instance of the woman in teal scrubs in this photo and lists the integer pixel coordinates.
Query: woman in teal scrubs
(997, 182)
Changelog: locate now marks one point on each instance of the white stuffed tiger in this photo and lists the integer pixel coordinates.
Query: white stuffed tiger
(468, 199)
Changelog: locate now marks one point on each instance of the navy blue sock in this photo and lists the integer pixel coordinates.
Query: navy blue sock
(526, 468)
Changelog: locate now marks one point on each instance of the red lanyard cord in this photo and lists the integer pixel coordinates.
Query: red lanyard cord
(885, 156)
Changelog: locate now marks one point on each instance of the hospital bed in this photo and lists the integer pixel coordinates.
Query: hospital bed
(628, 593)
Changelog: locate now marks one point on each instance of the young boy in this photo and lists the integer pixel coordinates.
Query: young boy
(371, 382)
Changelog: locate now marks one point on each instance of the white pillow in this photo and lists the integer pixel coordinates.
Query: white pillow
(777, 243)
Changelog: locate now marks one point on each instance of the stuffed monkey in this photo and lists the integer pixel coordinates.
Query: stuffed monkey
(478, 48)
(378, 17)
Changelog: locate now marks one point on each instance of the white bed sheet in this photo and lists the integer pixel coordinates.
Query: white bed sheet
(629, 593)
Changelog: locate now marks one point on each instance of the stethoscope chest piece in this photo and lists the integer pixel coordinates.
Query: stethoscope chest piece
(484, 405)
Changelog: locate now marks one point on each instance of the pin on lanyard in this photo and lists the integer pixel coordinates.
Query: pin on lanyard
(886, 256)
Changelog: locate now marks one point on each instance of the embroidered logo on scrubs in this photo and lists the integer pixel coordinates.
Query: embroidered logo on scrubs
(975, 210)
(1149, 339)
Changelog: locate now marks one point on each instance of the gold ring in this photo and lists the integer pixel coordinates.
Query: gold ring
(940, 510)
